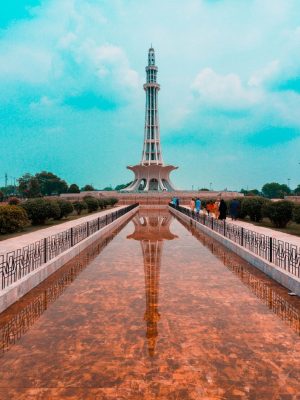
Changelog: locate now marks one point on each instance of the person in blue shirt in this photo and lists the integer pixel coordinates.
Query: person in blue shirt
(198, 205)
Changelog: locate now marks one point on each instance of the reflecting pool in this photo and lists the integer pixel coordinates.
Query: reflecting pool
(155, 310)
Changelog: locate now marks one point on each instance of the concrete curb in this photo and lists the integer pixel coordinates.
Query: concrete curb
(281, 276)
(18, 289)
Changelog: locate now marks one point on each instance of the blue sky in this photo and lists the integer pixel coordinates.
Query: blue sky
(71, 97)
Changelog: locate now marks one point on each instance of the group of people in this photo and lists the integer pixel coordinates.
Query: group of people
(218, 208)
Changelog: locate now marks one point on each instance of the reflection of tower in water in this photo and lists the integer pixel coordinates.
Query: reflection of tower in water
(151, 229)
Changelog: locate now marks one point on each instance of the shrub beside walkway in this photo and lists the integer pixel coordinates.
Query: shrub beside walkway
(28, 238)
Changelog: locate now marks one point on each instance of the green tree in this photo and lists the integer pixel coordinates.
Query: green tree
(297, 191)
(8, 190)
(108, 188)
(296, 214)
(275, 190)
(73, 188)
(51, 184)
(79, 206)
(87, 188)
(92, 203)
(39, 210)
(12, 219)
(66, 208)
(1, 196)
(29, 186)
(251, 192)
(280, 213)
(252, 206)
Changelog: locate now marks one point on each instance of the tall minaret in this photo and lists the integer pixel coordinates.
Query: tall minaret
(151, 174)
(151, 150)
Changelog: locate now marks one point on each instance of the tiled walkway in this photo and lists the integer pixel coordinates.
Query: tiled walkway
(28, 238)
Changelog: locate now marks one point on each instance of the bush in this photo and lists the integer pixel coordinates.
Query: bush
(12, 219)
(113, 201)
(39, 210)
(280, 213)
(13, 201)
(296, 214)
(79, 206)
(102, 203)
(252, 207)
(92, 203)
(66, 208)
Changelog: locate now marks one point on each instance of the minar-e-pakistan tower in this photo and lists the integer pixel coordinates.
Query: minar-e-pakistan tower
(151, 174)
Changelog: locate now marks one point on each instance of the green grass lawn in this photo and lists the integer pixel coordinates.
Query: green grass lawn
(33, 228)
(292, 228)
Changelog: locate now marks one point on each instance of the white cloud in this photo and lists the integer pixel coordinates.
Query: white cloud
(224, 90)
(63, 49)
(266, 74)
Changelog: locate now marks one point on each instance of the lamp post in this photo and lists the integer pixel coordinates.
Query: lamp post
(210, 185)
(289, 179)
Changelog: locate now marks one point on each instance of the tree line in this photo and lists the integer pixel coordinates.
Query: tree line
(48, 184)
(45, 183)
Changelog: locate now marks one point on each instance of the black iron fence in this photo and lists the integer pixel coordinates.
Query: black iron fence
(16, 264)
(282, 254)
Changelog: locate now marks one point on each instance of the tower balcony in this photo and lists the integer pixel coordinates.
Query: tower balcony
(151, 84)
(152, 68)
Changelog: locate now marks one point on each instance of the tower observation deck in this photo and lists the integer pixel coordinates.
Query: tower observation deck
(151, 174)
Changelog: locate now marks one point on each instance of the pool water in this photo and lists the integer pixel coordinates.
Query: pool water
(155, 310)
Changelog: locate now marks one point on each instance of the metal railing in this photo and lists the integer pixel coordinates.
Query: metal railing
(282, 254)
(16, 264)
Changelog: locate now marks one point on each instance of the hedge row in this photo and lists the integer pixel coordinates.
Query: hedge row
(16, 217)
(280, 213)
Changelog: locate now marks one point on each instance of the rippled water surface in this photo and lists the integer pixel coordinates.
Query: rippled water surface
(155, 311)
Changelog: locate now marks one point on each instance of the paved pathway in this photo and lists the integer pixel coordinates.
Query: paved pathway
(265, 231)
(28, 238)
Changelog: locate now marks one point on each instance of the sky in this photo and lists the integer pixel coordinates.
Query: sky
(72, 99)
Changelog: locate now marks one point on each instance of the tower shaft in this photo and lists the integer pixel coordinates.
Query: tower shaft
(152, 148)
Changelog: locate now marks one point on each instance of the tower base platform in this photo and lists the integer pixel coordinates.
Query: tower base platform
(151, 178)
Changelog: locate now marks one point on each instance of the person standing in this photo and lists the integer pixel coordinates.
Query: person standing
(209, 207)
(198, 205)
(234, 209)
(192, 205)
(216, 208)
(222, 209)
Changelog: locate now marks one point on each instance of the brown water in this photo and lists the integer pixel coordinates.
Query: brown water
(156, 311)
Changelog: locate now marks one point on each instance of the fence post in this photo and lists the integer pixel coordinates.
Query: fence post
(72, 239)
(224, 226)
(87, 229)
(271, 249)
(106, 219)
(98, 223)
(45, 250)
(212, 223)
(242, 236)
